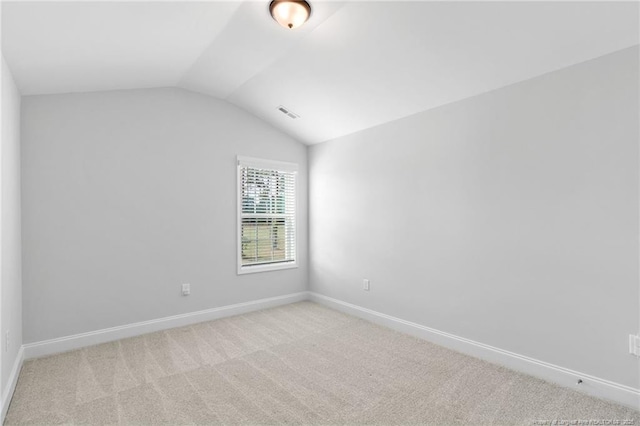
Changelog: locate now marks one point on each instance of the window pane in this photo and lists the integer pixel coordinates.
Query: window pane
(263, 240)
(267, 215)
(263, 191)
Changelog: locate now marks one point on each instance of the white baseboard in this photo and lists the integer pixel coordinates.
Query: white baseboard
(67, 343)
(11, 384)
(590, 385)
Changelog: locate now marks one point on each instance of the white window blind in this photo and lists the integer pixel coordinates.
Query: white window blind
(267, 215)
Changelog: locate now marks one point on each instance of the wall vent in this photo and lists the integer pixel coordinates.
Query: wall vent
(288, 112)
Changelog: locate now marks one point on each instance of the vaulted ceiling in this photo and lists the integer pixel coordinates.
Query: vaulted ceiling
(354, 64)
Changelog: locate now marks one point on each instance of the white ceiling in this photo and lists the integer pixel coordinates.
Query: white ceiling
(354, 65)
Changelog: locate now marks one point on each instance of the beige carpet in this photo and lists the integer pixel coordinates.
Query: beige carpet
(296, 364)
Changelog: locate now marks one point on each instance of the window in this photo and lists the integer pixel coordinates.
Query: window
(266, 215)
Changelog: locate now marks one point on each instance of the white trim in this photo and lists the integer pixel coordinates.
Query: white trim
(260, 163)
(250, 269)
(7, 393)
(591, 385)
(67, 343)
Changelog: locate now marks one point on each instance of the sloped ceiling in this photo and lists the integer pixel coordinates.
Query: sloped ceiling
(354, 65)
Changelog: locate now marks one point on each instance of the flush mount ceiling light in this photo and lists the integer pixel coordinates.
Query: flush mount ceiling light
(290, 13)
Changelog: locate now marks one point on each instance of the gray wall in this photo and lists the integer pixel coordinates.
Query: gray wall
(510, 218)
(128, 194)
(10, 259)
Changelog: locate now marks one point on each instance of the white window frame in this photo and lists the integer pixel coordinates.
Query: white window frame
(270, 165)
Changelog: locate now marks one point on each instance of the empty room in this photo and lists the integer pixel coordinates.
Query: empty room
(320, 212)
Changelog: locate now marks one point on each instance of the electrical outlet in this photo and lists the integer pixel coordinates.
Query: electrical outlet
(186, 289)
(366, 284)
(634, 345)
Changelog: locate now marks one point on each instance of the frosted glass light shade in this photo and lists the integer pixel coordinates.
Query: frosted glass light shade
(290, 13)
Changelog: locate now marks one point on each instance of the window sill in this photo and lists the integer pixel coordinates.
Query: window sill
(266, 268)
